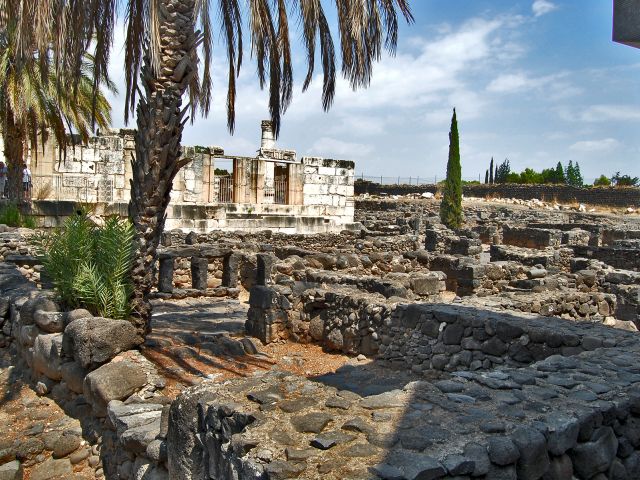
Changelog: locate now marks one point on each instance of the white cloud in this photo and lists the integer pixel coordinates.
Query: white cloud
(542, 7)
(358, 125)
(604, 113)
(511, 82)
(331, 147)
(604, 145)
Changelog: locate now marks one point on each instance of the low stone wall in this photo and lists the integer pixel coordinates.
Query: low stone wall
(426, 337)
(89, 366)
(606, 196)
(616, 256)
(538, 238)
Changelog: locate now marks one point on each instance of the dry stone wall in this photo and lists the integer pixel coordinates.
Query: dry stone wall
(89, 365)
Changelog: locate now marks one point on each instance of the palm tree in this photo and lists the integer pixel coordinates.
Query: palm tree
(163, 37)
(34, 102)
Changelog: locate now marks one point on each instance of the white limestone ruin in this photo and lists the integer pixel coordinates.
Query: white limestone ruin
(273, 190)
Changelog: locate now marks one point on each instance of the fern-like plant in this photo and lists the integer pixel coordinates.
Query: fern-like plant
(90, 265)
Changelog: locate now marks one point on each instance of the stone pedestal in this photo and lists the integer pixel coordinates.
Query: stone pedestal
(199, 273)
(230, 266)
(266, 261)
(165, 274)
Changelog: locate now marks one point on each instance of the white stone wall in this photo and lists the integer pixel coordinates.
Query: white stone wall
(100, 172)
(329, 183)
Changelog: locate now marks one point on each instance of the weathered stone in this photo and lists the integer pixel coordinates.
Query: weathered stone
(47, 355)
(416, 466)
(165, 274)
(11, 471)
(452, 334)
(29, 308)
(459, 465)
(494, 346)
(563, 433)
(199, 273)
(113, 381)
(94, 341)
(391, 399)
(50, 322)
(478, 454)
(314, 422)
(73, 375)
(52, 469)
(534, 459)
(596, 455)
(502, 451)
(65, 445)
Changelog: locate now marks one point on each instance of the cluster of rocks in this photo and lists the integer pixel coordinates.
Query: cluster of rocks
(84, 363)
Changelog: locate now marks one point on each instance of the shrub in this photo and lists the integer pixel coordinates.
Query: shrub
(602, 181)
(11, 215)
(90, 266)
(624, 180)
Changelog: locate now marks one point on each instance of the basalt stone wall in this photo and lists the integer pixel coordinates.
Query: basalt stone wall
(618, 197)
(558, 418)
(428, 336)
(447, 337)
(616, 256)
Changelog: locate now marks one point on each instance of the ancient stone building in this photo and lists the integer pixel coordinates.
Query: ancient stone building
(272, 190)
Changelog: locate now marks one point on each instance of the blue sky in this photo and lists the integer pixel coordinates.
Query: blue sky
(537, 81)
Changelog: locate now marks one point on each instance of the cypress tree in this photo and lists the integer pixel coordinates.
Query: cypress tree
(486, 176)
(451, 205)
(559, 177)
(491, 177)
(495, 175)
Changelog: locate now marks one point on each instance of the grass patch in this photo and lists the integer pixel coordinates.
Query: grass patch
(11, 216)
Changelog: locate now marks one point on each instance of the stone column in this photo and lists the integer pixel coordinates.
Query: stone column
(230, 266)
(261, 171)
(266, 261)
(296, 183)
(199, 273)
(165, 273)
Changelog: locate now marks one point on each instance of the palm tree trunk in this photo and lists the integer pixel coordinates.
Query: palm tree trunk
(13, 136)
(160, 123)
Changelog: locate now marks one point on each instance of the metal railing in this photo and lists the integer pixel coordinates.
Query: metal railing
(224, 187)
(280, 187)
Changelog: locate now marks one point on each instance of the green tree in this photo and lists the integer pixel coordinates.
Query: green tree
(624, 180)
(486, 176)
(573, 175)
(163, 42)
(503, 171)
(34, 101)
(559, 177)
(451, 205)
(602, 181)
(491, 179)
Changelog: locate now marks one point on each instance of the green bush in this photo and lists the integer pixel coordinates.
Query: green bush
(11, 215)
(90, 265)
(602, 181)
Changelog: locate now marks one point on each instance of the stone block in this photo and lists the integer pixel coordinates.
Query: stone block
(94, 341)
(47, 355)
(113, 381)
(199, 273)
